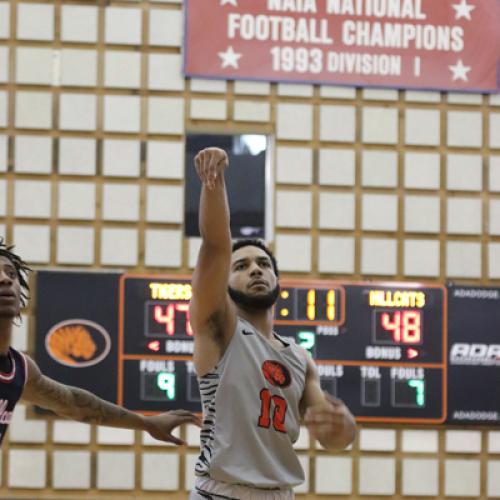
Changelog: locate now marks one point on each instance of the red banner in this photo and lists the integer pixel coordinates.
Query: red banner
(419, 44)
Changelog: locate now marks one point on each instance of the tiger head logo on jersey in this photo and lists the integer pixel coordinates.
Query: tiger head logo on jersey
(276, 373)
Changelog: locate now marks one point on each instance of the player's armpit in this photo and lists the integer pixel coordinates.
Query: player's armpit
(209, 285)
(211, 339)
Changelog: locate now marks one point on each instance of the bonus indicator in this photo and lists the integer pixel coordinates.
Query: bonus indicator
(154, 345)
(411, 353)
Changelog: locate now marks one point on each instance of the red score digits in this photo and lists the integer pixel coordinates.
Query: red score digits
(405, 326)
(167, 316)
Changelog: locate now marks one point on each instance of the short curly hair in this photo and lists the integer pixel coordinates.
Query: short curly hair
(256, 242)
(21, 267)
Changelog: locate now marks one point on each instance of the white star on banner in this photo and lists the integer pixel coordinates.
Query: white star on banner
(231, 2)
(229, 58)
(463, 9)
(460, 71)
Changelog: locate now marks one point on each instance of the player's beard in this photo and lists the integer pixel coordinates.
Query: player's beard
(254, 302)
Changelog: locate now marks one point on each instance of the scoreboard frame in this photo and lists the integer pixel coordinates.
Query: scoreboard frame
(308, 285)
(452, 380)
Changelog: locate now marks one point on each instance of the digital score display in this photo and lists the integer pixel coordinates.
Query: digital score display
(310, 305)
(171, 319)
(397, 327)
(380, 348)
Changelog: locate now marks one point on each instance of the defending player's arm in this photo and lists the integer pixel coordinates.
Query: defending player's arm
(327, 418)
(83, 406)
(212, 315)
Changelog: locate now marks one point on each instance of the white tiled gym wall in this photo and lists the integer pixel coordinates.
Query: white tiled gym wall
(369, 184)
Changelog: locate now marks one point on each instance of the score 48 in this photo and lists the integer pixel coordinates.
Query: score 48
(299, 60)
(398, 327)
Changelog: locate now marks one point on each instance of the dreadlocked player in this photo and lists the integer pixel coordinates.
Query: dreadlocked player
(20, 377)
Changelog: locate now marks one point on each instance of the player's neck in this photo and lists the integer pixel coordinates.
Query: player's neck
(5, 334)
(260, 320)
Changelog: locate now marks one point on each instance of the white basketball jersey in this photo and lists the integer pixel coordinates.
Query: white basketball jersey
(251, 413)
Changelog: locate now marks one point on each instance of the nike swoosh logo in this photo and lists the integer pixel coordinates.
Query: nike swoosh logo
(246, 332)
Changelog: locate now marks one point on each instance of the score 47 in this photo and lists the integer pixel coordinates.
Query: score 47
(297, 59)
(168, 314)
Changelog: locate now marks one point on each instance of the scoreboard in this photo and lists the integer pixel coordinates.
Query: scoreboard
(380, 347)
(383, 348)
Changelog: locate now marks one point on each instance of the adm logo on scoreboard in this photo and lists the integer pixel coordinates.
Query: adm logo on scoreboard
(462, 353)
(78, 343)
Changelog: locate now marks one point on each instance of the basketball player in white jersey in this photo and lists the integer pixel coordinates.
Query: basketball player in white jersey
(255, 387)
(21, 379)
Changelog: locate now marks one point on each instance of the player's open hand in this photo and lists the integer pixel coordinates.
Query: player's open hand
(161, 426)
(210, 164)
(328, 421)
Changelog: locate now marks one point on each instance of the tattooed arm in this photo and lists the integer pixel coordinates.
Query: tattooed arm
(83, 406)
